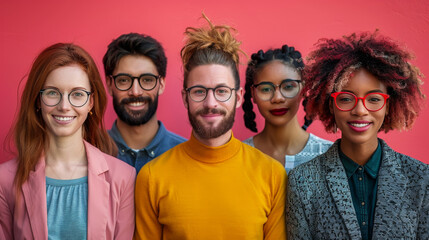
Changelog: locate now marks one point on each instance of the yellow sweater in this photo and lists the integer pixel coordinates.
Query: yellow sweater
(194, 191)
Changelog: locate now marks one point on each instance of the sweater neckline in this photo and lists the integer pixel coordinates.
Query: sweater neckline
(207, 154)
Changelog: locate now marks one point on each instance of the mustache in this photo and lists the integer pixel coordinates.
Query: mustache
(211, 110)
(135, 99)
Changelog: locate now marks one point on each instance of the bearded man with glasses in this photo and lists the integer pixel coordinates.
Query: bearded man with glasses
(135, 68)
(212, 186)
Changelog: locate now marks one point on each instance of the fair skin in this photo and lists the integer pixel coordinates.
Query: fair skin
(136, 137)
(65, 155)
(282, 134)
(211, 76)
(359, 127)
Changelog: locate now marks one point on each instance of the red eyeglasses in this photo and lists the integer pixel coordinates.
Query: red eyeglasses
(346, 101)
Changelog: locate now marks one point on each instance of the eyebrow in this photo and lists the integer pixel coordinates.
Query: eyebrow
(75, 88)
(372, 91)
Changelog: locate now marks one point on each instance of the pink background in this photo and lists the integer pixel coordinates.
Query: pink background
(27, 27)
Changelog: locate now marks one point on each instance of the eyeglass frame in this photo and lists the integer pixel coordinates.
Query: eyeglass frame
(207, 92)
(88, 93)
(254, 86)
(133, 78)
(384, 95)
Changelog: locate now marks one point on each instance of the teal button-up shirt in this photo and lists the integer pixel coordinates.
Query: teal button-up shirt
(363, 183)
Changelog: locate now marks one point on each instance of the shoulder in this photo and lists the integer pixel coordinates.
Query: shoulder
(7, 172)
(169, 136)
(408, 166)
(313, 139)
(99, 161)
(249, 141)
(260, 160)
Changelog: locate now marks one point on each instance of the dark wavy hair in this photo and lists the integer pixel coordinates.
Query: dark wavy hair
(331, 65)
(134, 44)
(287, 55)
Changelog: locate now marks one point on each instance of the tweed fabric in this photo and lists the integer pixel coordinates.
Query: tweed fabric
(319, 202)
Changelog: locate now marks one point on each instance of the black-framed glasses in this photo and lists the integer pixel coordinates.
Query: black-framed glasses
(346, 101)
(77, 98)
(124, 81)
(289, 88)
(199, 93)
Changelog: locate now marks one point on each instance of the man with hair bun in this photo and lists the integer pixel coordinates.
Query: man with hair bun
(212, 186)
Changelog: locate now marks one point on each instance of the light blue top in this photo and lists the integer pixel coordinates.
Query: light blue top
(163, 141)
(67, 202)
(314, 147)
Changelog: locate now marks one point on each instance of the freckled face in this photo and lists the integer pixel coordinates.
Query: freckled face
(63, 119)
(279, 110)
(360, 126)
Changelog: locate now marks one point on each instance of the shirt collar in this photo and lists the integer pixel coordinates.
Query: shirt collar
(151, 148)
(371, 167)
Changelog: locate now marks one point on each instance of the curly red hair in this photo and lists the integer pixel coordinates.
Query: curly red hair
(333, 62)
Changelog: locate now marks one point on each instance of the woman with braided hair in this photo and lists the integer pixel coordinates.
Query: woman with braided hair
(274, 81)
(360, 188)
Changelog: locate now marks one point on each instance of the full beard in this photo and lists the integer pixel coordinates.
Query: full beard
(135, 118)
(211, 132)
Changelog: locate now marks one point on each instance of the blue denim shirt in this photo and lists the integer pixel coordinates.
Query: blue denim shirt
(163, 141)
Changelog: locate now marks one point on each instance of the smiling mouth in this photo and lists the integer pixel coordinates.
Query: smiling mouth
(63, 119)
(359, 125)
(136, 104)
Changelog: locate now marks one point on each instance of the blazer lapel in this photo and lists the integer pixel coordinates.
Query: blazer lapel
(340, 191)
(390, 192)
(34, 192)
(98, 193)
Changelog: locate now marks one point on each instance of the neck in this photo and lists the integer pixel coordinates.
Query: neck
(215, 142)
(67, 150)
(291, 138)
(359, 153)
(138, 137)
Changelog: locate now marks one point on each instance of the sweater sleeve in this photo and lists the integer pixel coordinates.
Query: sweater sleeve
(275, 227)
(147, 225)
(297, 226)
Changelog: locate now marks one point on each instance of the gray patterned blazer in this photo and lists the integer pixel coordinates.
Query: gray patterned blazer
(319, 202)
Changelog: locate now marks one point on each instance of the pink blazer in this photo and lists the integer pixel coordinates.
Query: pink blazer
(110, 200)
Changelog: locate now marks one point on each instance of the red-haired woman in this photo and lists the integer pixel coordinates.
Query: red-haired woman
(360, 188)
(63, 184)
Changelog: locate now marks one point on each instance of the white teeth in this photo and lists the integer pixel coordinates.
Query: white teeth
(359, 125)
(63, 118)
(136, 104)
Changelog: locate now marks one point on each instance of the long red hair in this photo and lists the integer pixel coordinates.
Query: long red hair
(30, 132)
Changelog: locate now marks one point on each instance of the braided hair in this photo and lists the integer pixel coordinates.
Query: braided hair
(287, 55)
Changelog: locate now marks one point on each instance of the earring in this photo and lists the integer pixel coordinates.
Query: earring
(90, 112)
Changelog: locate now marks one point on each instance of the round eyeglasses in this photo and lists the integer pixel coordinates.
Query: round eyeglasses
(346, 101)
(124, 81)
(289, 88)
(52, 97)
(199, 93)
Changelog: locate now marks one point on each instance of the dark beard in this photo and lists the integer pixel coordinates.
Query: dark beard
(209, 133)
(135, 118)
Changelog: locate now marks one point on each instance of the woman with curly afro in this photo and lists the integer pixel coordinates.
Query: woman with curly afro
(360, 188)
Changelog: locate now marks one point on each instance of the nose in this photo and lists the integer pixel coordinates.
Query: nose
(210, 101)
(135, 89)
(360, 108)
(277, 97)
(64, 103)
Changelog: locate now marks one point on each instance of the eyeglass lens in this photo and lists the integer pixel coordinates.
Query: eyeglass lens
(348, 101)
(77, 98)
(221, 94)
(288, 89)
(125, 82)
